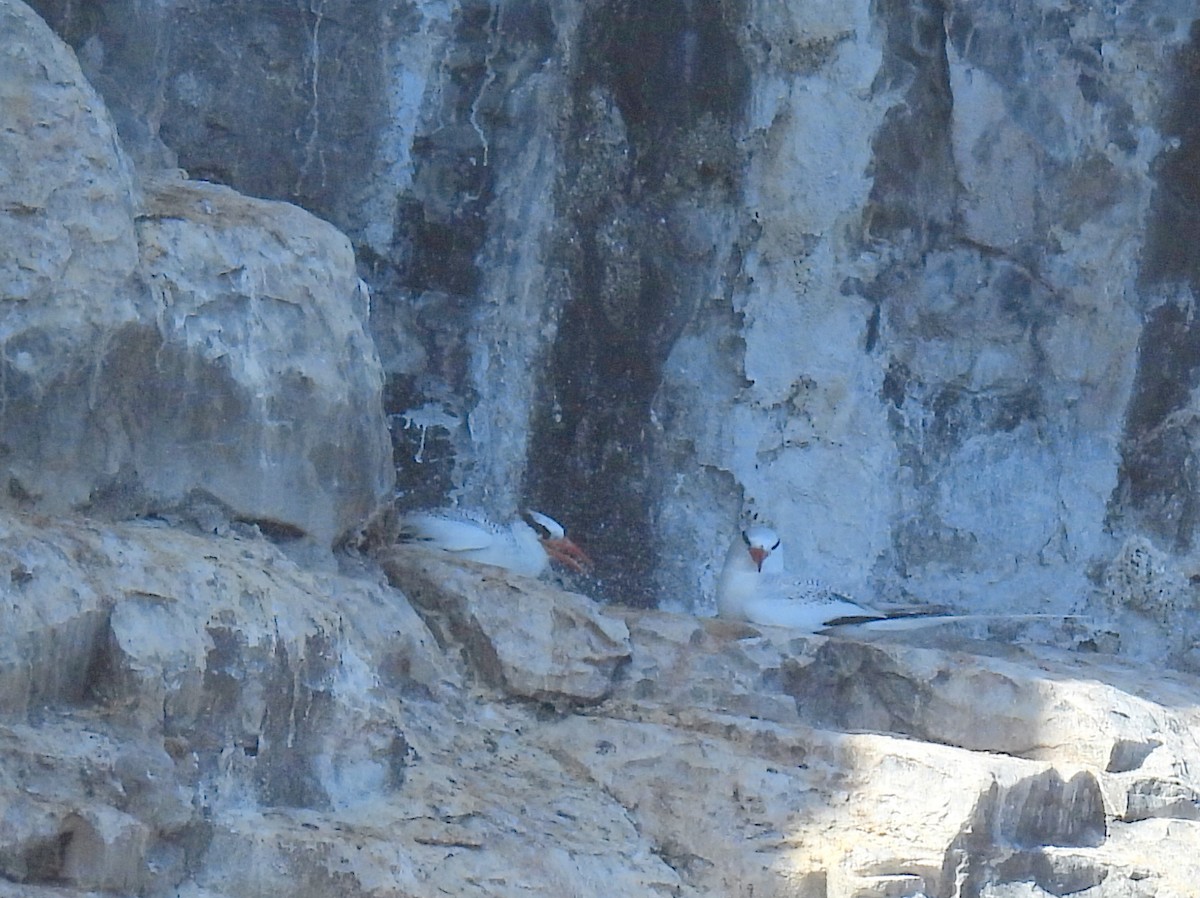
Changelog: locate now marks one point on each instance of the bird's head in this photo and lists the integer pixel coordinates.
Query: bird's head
(554, 539)
(760, 542)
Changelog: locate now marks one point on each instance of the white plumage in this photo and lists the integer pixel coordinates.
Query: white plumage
(754, 587)
(524, 546)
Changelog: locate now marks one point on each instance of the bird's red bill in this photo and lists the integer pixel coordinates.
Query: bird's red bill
(758, 554)
(568, 554)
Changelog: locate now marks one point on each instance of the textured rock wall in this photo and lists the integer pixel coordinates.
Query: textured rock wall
(629, 245)
(910, 280)
(198, 716)
(968, 239)
(174, 347)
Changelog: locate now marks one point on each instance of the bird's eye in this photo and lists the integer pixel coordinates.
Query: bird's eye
(539, 528)
(745, 539)
(776, 546)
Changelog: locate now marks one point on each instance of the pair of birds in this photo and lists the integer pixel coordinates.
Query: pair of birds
(752, 586)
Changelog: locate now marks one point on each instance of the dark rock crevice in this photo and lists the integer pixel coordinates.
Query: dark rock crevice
(651, 163)
(432, 285)
(1170, 254)
(914, 190)
(442, 221)
(1158, 488)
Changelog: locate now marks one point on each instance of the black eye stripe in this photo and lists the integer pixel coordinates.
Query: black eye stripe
(750, 545)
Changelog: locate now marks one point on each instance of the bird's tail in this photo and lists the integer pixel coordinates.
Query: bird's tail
(917, 619)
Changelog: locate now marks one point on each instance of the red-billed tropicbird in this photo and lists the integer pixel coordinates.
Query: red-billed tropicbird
(753, 587)
(525, 546)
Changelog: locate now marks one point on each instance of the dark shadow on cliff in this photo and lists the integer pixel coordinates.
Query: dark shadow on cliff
(650, 163)
(1159, 490)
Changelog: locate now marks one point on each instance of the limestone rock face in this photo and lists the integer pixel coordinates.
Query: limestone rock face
(174, 344)
(842, 794)
(181, 713)
(69, 248)
(262, 329)
(912, 281)
(66, 195)
(199, 716)
(529, 639)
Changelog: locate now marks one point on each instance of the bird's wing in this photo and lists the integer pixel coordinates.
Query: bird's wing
(804, 605)
(449, 534)
(805, 616)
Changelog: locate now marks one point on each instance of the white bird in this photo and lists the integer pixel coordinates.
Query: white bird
(525, 546)
(753, 587)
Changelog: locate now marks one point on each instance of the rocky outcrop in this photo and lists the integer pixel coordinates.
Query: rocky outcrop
(199, 716)
(911, 280)
(470, 605)
(175, 348)
(865, 270)
(261, 321)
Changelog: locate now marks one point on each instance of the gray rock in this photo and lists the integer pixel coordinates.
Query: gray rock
(240, 725)
(912, 281)
(174, 347)
(68, 260)
(261, 334)
(522, 637)
(907, 280)
(1156, 797)
(234, 724)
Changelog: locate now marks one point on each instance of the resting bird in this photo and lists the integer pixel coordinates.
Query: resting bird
(525, 546)
(753, 587)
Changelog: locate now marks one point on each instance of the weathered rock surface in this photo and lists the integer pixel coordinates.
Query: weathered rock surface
(196, 716)
(182, 712)
(261, 334)
(66, 198)
(174, 344)
(498, 616)
(912, 280)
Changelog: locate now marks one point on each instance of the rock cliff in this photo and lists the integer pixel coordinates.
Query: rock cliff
(913, 281)
(174, 347)
(200, 716)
